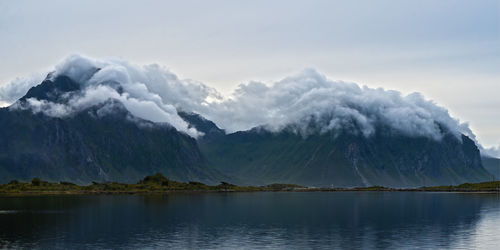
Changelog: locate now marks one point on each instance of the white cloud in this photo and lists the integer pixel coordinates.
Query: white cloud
(17, 88)
(491, 151)
(43, 106)
(154, 93)
(310, 96)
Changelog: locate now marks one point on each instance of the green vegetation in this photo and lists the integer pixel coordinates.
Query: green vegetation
(160, 184)
(490, 186)
(150, 184)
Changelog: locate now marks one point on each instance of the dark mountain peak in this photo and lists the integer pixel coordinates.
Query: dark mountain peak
(60, 90)
(210, 129)
(55, 89)
(59, 87)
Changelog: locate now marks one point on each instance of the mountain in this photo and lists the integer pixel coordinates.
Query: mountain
(58, 132)
(104, 142)
(492, 165)
(341, 158)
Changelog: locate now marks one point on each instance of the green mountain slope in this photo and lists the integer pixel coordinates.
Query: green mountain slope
(341, 159)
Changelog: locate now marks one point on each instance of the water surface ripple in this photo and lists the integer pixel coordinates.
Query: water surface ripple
(317, 220)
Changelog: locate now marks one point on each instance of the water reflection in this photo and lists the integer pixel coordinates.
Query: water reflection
(253, 220)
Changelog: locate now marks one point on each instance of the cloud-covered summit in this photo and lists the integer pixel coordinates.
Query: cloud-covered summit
(154, 93)
(310, 97)
(149, 92)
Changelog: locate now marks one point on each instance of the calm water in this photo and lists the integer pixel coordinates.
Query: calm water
(253, 220)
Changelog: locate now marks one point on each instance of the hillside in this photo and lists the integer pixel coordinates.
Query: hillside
(342, 159)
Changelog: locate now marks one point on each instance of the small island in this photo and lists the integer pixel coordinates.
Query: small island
(155, 184)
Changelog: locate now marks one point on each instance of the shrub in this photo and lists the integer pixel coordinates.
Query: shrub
(14, 182)
(65, 183)
(157, 179)
(36, 181)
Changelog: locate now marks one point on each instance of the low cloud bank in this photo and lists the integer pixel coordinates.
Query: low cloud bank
(154, 93)
(491, 151)
(310, 97)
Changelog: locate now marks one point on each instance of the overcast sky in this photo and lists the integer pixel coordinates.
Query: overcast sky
(447, 50)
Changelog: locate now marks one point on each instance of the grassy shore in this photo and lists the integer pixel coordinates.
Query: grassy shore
(150, 184)
(159, 184)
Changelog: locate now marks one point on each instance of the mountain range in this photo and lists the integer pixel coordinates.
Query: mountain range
(106, 142)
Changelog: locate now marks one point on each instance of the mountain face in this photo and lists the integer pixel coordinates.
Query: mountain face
(101, 143)
(492, 165)
(342, 159)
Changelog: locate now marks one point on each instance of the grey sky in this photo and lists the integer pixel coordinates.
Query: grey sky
(447, 50)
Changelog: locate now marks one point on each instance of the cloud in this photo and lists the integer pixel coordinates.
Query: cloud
(491, 151)
(154, 93)
(43, 106)
(17, 88)
(310, 97)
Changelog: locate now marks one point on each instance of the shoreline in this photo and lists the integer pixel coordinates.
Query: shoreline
(308, 190)
(158, 184)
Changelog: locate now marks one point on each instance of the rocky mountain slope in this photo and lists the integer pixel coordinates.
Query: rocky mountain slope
(101, 143)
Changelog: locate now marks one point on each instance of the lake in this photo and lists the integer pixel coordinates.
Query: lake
(288, 220)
